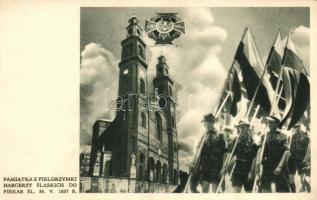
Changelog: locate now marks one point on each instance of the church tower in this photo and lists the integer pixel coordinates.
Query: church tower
(164, 85)
(141, 140)
(133, 64)
(132, 86)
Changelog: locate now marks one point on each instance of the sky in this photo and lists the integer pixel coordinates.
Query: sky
(198, 62)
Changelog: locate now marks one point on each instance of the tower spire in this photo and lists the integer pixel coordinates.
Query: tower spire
(133, 28)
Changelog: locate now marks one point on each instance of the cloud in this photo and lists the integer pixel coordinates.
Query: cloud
(210, 70)
(98, 87)
(186, 147)
(95, 63)
(184, 160)
(198, 73)
(190, 125)
(208, 36)
(199, 17)
(301, 35)
(301, 38)
(193, 64)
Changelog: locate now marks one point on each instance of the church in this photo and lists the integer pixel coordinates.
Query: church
(141, 142)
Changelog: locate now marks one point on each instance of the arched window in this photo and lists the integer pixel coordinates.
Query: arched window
(158, 171)
(108, 168)
(151, 165)
(158, 121)
(141, 167)
(143, 120)
(141, 51)
(142, 86)
(164, 179)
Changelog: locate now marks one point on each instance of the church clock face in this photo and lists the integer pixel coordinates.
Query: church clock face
(125, 72)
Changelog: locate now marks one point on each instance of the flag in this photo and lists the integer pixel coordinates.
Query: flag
(289, 87)
(274, 61)
(254, 76)
(274, 65)
(234, 85)
(231, 85)
(299, 89)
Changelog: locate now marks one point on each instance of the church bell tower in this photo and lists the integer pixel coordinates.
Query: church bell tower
(133, 64)
(165, 87)
(132, 85)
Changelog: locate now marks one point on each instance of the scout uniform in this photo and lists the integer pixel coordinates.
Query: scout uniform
(305, 179)
(212, 155)
(298, 150)
(229, 136)
(245, 152)
(275, 146)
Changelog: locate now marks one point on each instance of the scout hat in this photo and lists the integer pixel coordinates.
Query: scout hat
(209, 118)
(244, 122)
(273, 118)
(300, 127)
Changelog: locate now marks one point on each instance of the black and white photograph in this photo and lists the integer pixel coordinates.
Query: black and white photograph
(195, 100)
(158, 100)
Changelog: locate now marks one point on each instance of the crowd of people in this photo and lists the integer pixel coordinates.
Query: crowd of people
(254, 161)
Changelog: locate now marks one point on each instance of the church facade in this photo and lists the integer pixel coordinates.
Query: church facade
(141, 142)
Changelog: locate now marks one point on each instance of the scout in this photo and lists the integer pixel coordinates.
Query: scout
(245, 154)
(274, 149)
(213, 155)
(298, 149)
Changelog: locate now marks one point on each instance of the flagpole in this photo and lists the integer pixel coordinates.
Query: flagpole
(272, 109)
(195, 162)
(230, 71)
(279, 76)
(259, 84)
(201, 145)
(259, 175)
(218, 111)
(255, 113)
(222, 104)
(278, 97)
(214, 111)
(228, 160)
